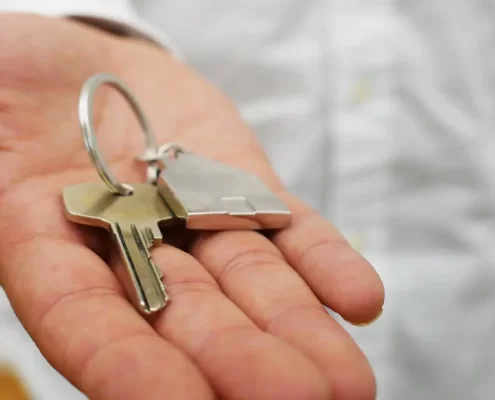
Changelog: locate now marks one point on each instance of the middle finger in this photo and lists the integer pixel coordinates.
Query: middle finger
(254, 275)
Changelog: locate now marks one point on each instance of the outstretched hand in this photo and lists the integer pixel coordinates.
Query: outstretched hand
(246, 320)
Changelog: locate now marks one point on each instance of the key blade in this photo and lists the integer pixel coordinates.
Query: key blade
(149, 290)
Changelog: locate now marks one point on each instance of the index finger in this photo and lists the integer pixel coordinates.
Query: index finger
(71, 304)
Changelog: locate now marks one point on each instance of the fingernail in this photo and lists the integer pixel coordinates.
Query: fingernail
(364, 324)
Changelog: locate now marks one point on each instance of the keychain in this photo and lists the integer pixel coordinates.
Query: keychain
(181, 188)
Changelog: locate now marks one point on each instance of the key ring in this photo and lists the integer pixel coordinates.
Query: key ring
(153, 155)
(86, 102)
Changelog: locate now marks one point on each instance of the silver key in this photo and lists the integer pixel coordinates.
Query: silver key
(133, 221)
(206, 194)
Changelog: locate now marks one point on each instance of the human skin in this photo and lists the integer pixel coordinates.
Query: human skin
(246, 320)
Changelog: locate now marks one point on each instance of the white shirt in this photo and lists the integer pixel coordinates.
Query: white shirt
(380, 115)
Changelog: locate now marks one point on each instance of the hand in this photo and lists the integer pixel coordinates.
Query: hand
(246, 320)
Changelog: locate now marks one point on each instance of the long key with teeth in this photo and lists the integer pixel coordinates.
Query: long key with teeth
(134, 224)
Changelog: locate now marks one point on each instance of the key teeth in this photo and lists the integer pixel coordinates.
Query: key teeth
(147, 235)
(158, 271)
(134, 243)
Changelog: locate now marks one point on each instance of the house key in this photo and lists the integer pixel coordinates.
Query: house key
(133, 222)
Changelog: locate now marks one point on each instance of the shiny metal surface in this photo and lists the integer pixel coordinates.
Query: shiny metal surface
(87, 125)
(152, 156)
(133, 222)
(206, 194)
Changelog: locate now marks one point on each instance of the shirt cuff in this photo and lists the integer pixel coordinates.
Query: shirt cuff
(117, 16)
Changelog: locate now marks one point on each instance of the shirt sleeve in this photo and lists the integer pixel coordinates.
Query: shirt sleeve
(117, 16)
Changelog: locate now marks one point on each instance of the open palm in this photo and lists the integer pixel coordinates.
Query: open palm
(246, 320)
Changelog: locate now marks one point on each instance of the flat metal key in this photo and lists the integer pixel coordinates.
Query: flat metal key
(133, 221)
(206, 194)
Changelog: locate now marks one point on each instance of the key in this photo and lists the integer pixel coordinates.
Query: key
(134, 225)
(206, 194)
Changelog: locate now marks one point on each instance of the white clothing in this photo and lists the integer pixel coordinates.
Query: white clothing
(380, 115)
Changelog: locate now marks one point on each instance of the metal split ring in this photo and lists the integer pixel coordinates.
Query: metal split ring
(86, 103)
(152, 156)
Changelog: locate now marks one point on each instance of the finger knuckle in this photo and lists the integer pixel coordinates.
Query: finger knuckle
(247, 259)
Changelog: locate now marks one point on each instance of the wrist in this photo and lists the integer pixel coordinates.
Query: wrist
(135, 29)
(117, 17)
